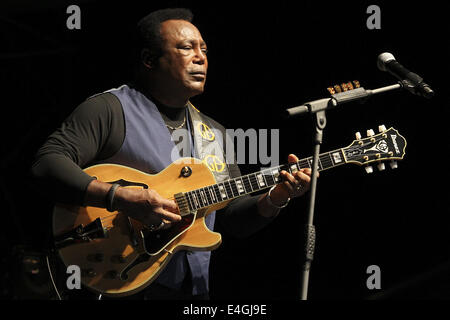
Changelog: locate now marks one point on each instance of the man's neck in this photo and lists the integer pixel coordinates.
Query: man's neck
(169, 102)
(167, 109)
(167, 99)
(173, 114)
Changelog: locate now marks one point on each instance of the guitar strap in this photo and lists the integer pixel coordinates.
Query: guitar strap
(208, 144)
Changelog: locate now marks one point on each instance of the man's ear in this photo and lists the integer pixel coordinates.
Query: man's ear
(147, 58)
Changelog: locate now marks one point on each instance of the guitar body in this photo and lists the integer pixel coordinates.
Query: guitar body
(129, 256)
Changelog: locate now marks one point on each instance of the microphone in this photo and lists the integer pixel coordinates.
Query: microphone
(410, 81)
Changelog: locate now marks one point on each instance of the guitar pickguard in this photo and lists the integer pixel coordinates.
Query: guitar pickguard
(155, 241)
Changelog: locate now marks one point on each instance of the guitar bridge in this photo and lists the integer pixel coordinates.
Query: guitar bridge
(183, 204)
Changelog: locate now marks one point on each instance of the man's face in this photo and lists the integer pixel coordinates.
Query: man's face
(182, 67)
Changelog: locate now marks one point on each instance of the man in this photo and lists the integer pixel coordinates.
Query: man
(131, 126)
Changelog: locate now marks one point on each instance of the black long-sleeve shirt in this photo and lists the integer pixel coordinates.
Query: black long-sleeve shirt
(95, 131)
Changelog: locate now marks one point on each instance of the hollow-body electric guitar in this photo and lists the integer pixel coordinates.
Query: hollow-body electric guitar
(119, 256)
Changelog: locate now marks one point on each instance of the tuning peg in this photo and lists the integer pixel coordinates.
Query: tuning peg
(381, 128)
(358, 135)
(393, 164)
(370, 133)
(369, 169)
(381, 166)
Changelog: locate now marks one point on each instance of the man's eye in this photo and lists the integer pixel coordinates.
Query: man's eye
(186, 48)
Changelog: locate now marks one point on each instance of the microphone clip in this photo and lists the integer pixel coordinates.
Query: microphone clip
(421, 89)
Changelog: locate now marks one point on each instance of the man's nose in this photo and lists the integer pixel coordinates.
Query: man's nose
(200, 56)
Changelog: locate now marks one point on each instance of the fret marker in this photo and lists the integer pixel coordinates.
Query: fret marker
(203, 196)
(239, 186)
(276, 175)
(211, 193)
(294, 168)
(222, 192)
(194, 196)
(337, 157)
(260, 180)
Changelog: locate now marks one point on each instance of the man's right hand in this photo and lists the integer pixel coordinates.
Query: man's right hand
(144, 205)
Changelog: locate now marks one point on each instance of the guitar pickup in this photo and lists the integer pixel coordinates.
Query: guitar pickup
(183, 204)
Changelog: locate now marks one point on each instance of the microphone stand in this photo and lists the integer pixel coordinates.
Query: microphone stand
(318, 108)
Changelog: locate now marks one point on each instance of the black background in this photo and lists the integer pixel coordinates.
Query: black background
(263, 58)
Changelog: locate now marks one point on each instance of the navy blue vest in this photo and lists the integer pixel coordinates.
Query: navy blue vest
(148, 146)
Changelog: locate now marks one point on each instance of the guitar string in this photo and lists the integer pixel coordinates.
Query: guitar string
(207, 195)
(109, 226)
(324, 162)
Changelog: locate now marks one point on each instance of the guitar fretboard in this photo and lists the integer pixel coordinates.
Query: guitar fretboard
(254, 182)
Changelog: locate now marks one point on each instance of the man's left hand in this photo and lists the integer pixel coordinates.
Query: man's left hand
(293, 185)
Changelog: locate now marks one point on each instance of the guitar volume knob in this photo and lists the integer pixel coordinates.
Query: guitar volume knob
(186, 171)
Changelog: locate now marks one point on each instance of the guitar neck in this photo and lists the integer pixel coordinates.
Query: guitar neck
(254, 182)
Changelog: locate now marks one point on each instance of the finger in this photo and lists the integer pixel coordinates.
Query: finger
(287, 177)
(302, 178)
(288, 183)
(297, 183)
(158, 200)
(301, 182)
(169, 205)
(296, 179)
(164, 214)
(292, 158)
(306, 171)
(304, 184)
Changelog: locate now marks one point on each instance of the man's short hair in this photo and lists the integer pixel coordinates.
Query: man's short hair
(149, 29)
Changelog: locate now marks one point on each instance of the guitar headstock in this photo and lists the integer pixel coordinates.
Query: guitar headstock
(388, 144)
